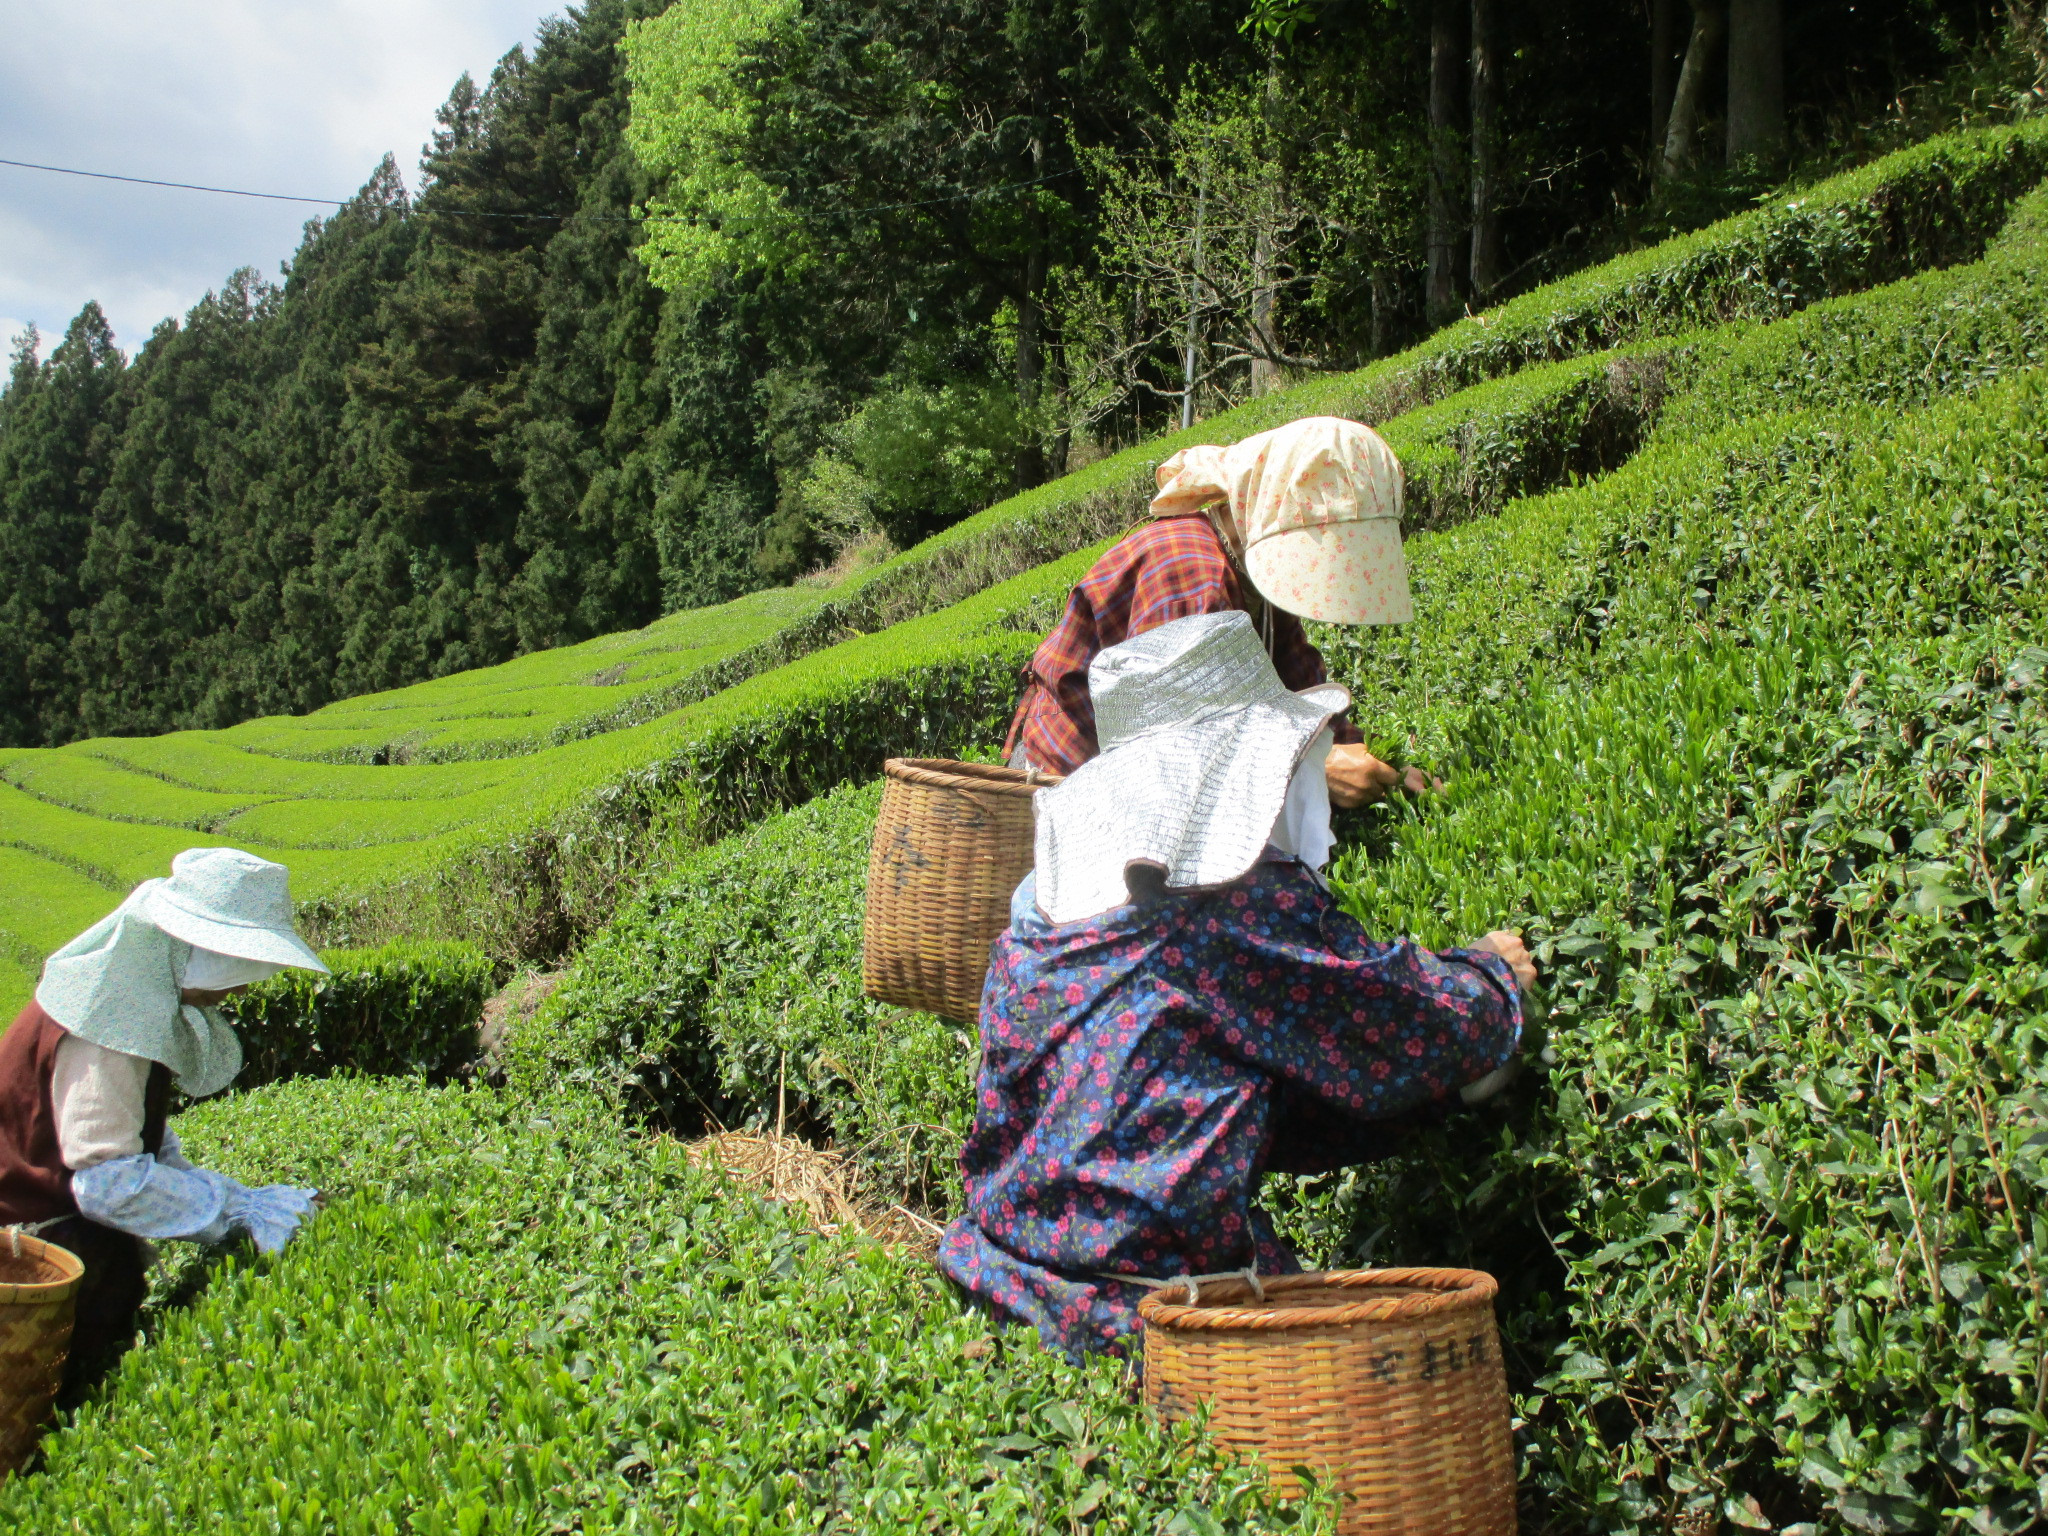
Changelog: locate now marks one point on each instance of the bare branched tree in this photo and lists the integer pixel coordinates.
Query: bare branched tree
(1209, 245)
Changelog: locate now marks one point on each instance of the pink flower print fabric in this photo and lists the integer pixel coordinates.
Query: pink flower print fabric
(1143, 1068)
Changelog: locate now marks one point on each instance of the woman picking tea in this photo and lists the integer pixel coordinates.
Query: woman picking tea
(125, 1012)
(1180, 1006)
(1303, 521)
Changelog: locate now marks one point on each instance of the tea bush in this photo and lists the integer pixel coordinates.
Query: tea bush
(1760, 768)
(729, 993)
(403, 1009)
(518, 1317)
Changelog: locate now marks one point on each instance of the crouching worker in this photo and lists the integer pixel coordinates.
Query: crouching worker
(1180, 1006)
(126, 1010)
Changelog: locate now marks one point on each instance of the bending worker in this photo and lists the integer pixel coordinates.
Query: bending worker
(124, 1012)
(1179, 1005)
(1257, 528)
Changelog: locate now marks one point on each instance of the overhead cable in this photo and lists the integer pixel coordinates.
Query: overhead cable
(467, 213)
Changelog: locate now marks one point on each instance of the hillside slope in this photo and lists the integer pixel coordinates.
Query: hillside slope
(1729, 641)
(512, 804)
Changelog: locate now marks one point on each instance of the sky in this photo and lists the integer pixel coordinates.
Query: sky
(297, 96)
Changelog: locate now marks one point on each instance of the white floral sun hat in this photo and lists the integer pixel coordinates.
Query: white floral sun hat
(232, 903)
(1200, 742)
(223, 917)
(1313, 509)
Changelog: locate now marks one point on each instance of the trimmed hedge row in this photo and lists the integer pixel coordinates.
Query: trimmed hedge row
(407, 1008)
(1786, 875)
(1906, 344)
(519, 1317)
(937, 686)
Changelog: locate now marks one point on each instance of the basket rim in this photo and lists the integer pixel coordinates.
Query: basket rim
(989, 778)
(1445, 1291)
(41, 1292)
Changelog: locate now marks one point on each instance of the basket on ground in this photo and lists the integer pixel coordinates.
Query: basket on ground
(1386, 1383)
(951, 843)
(38, 1294)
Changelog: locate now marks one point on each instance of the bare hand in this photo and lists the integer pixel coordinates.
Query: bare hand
(1507, 944)
(1356, 777)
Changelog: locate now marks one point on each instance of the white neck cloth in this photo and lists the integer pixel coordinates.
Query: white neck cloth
(116, 985)
(1304, 825)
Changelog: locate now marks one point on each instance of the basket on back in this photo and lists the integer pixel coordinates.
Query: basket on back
(951, 843)
(1387, 1383)
(38, 1295)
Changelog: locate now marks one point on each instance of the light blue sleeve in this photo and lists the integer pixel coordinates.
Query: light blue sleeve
(168, 1197)
(153, 1199)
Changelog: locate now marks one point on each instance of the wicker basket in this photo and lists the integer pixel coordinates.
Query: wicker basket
(38, 1291)
(951, 843)
(1386, 1382)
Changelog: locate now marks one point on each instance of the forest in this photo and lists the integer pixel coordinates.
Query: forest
(693, 300)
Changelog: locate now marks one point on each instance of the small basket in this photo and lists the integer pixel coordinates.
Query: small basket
(951, 843)
(1386, 1383)
(38, 1294)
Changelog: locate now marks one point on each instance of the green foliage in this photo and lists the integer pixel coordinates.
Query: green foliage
(1906, 344)
(689, 125)
(933, 454)
(1933, 205)
(404, 1008)
(55, 421)
(730, 993)
(1754, 757)
(520, 1317)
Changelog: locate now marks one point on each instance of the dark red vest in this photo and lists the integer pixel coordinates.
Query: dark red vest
(34, 1183)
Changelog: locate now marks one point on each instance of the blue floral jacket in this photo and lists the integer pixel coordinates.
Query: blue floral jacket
(1142, 1068)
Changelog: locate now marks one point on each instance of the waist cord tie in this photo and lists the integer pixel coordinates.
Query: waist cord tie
(1249, 1275)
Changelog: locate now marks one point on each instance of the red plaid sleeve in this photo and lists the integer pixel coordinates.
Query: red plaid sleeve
(1170, 569)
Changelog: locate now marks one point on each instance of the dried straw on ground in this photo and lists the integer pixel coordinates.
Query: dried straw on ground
(826, 1183)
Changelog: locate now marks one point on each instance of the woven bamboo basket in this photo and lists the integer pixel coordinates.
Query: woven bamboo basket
(951, 843)
(1387, 1383)
(38, 1292)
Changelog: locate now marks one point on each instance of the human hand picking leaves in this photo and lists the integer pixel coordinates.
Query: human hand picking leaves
(1357, 777)
(1507, 943)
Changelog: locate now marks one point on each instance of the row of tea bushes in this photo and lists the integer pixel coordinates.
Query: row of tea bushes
(1762, 770)
(1905, 344)
(729, 993)
(404, 1009)
(520, 1318)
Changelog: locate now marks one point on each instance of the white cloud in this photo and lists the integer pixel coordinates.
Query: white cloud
(295, 96)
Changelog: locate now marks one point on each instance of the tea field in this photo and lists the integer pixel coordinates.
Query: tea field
(1729, 571)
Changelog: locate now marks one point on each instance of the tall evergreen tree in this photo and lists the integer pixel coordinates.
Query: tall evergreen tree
(59, 421)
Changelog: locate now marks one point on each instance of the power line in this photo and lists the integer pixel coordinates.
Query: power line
(466, 213)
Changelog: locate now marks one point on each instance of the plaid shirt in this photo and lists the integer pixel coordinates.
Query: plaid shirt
(1170, 569)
